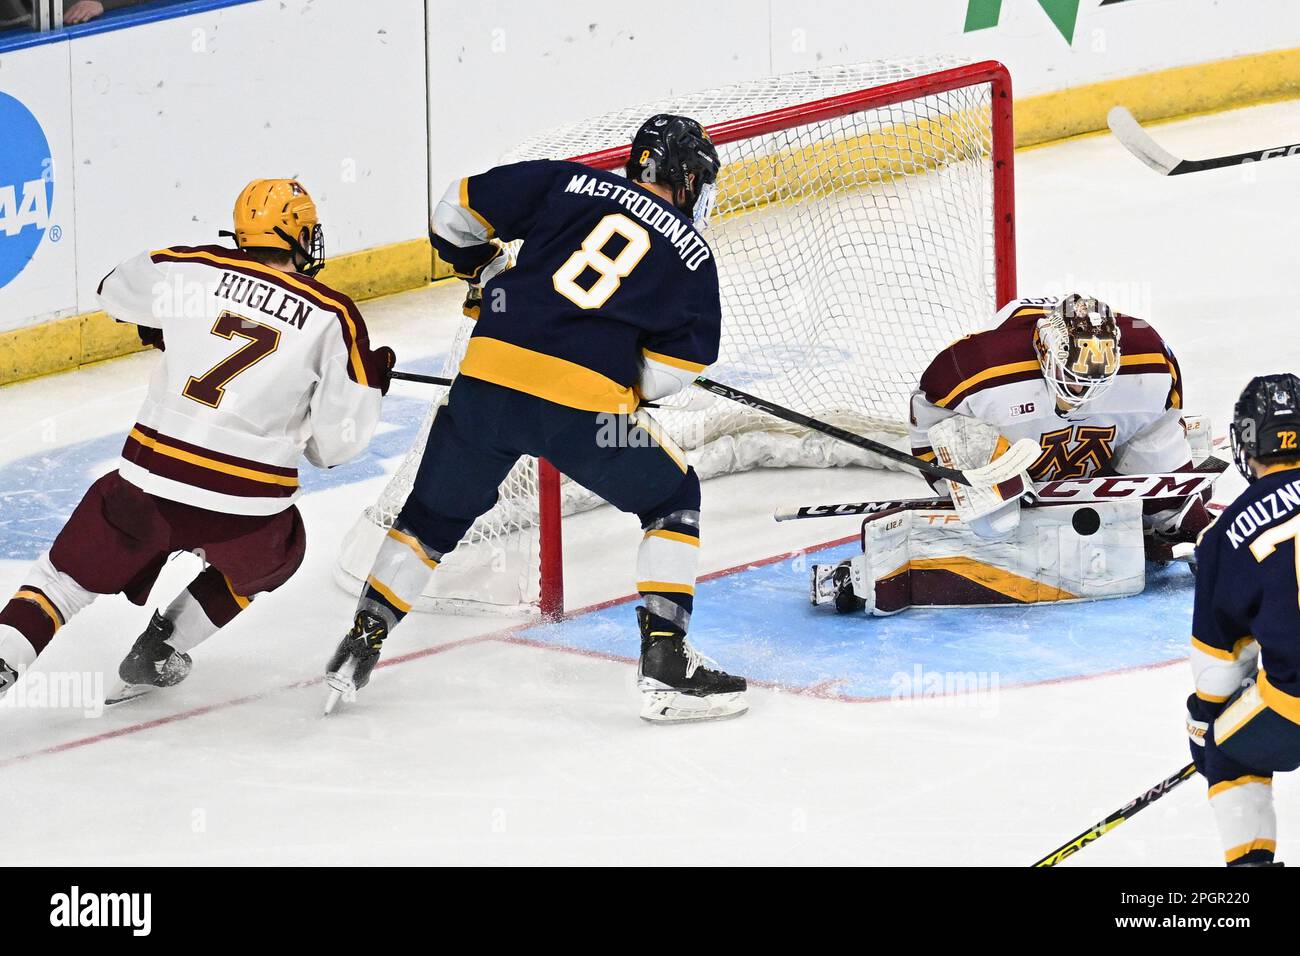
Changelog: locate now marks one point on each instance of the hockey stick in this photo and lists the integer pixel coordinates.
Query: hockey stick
(1139, 142)
(1015, 460)
(1063, 490)
(1102, 827)
(417, 377)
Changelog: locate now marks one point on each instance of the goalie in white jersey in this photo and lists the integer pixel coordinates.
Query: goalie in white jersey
(262, 364)
(1101, 393)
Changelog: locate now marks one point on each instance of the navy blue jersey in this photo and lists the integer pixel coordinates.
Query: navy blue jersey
(1246, 587)
(609, 275)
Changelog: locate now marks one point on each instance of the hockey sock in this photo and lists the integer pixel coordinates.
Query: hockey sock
(1243, 809)
(665, 566)
(44, 603)
(399, 575)
(203, 608)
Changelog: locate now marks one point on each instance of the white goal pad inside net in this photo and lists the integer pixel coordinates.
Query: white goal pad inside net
(864, 221)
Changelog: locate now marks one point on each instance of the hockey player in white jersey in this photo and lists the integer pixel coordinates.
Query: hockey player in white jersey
(262, 364)
(1102, 394)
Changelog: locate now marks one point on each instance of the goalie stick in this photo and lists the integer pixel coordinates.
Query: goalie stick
(1015, 460)
(1062, 491)
(1139, 142)
(1102, 827)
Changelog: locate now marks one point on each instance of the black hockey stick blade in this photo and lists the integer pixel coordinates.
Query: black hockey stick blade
(1139, 142)
(1102, 827)
(417, 377)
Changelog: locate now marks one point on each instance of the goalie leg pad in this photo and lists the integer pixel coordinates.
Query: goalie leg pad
(1058, 553)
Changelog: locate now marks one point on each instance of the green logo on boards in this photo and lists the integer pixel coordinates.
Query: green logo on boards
(1064, 14)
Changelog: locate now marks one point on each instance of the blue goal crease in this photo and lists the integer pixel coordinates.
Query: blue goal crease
(757, 621)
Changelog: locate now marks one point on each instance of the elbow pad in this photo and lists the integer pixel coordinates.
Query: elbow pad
(658, 380)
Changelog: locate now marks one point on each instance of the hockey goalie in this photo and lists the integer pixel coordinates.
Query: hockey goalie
(1101, 393)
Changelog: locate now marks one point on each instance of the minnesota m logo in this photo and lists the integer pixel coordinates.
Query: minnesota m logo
(1096, 352)
(1073, 452)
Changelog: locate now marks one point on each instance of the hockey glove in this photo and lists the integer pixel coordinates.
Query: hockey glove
(151, 338)
(991, 511)
(1200, 714)
(379, 367)
(1174, 527)
(502, 259)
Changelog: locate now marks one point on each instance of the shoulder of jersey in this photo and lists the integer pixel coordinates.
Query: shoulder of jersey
(1141, 347)
(223, 257)
(999, 356)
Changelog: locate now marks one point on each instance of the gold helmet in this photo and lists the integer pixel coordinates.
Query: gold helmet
(280, 214)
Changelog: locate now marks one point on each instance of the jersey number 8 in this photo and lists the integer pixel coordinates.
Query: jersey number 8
(591, 256)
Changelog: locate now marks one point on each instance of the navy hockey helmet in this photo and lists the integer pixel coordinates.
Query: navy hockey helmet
(675, 151)
(1266, 422)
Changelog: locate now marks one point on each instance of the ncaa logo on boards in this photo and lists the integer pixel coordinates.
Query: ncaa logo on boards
(26, 187)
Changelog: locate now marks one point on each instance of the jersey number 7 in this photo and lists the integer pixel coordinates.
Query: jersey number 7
(210, 387)
(591, 255)
(1264, 546)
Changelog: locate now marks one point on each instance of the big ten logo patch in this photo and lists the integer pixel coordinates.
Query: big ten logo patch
(26, 187)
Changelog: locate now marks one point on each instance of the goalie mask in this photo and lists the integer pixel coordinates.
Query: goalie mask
(1077, 343)
(675, 151)
(279, 214)
(1266, 422)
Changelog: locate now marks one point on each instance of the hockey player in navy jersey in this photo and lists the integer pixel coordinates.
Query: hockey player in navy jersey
(613, 301)
(1244, 718)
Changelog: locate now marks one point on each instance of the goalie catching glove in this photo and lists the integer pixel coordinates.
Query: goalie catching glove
(990, 510)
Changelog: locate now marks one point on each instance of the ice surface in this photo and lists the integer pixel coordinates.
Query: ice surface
(488, 743)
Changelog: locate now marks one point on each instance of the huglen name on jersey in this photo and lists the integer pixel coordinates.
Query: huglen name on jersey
(693, 250)
(262, 296)
(72, 909)
(1271, 508)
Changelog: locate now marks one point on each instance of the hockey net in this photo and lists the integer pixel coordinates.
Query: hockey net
(864, 221)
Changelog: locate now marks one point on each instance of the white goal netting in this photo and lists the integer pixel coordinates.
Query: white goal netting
(853, 241)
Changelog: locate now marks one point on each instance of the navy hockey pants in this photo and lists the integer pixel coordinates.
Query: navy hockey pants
(485, 428)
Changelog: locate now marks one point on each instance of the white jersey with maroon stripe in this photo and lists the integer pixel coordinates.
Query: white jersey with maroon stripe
(260, 368)
(1134, 427)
